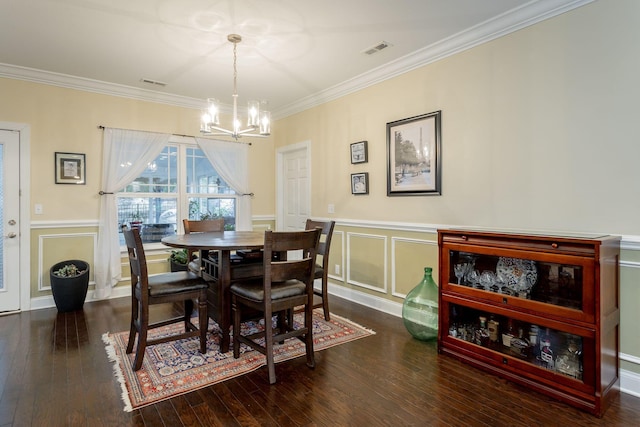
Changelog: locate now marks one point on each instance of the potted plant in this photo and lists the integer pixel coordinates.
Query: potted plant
(69, 284)
(179, 259)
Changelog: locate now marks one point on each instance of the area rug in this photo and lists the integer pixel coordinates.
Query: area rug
(177, 367)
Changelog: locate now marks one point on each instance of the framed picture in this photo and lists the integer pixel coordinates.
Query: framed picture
(359, 153)
(360, 183)
(414, 156)
(70, 168)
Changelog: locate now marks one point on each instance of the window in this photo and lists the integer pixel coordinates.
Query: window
(179, 183)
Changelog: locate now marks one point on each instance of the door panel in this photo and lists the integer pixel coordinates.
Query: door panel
(9, 220)
(296, 195)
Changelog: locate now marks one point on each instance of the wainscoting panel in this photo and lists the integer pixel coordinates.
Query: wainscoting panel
(336, 256)
(53, 248)
(409, 256)
(367, 261)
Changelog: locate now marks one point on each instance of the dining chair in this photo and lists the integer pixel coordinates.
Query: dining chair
(322, 268)
(285, 284)
(202, 226)
(182, 286)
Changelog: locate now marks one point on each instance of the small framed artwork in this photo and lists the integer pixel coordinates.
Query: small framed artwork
(360, 183)
(359, 153)
(70, 168)
(414, 156)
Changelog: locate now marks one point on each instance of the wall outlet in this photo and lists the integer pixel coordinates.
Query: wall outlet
(337, 269)
(37, 209)
(331, 208)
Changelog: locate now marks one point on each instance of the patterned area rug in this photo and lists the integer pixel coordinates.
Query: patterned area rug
(177, 367)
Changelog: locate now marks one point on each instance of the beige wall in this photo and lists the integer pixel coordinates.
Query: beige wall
(67, 120)
(538, 130)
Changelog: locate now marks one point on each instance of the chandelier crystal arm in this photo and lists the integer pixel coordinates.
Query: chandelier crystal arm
(257, 120)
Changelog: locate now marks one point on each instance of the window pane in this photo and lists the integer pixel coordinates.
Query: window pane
(160, 176)
(214, 207)
(202, 177)
(156, 216)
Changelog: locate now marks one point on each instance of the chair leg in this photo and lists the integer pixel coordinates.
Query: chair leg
(132, 337)
(140, 349)
(188, 311)
(325, 299)
(236, 327)
(308, 337)
(203, 321)
(268, 345)
(135, 310)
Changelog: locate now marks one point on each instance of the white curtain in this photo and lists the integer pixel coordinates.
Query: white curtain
(125, 155)
(230, 160)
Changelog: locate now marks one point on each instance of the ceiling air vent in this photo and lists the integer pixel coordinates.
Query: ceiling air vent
(153, 82)
(376, 48)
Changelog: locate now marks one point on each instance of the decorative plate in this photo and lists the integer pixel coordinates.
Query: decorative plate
(518, 274)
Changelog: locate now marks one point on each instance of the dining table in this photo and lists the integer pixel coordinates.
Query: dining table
(216, 256)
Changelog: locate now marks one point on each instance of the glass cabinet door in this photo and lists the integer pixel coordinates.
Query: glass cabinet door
(547, 348)
(557, 283)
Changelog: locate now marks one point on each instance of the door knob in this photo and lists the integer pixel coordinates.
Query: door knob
(12, 222)
(11, 235)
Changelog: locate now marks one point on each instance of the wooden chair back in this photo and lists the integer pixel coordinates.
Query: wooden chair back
(322, 268)
(276, 270)
(137, 261)
(326, 233)
(203, 226)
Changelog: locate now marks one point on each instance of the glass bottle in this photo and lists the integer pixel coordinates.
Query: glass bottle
(546, 352)
(482, 333)
(420, 309)
(494, 329)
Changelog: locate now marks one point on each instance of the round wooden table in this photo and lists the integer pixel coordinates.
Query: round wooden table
(218, 296)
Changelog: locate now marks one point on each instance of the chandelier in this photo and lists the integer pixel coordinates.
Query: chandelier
(258, 122)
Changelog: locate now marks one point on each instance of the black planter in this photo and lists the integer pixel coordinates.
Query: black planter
(69, 293)
(177, 267)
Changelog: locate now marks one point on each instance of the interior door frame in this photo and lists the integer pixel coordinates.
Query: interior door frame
(25, 210)
(280, 184)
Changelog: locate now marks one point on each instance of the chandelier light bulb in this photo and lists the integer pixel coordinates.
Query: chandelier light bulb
(265, 123)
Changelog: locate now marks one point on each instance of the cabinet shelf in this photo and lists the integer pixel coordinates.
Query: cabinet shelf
(542, 311)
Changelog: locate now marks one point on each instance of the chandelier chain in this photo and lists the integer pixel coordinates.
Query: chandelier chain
(235, 68)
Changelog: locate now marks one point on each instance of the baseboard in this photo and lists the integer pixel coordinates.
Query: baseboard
(48, 302)
(630, 382)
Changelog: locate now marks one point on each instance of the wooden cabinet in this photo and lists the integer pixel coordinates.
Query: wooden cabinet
(218, 295)
(540, 310)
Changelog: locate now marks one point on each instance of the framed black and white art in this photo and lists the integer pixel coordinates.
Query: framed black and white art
(414, 156)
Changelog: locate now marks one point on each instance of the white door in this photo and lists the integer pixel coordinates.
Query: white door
(294, 178)
(9, 220)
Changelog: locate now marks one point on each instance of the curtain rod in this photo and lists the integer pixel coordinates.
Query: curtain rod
(177, 134)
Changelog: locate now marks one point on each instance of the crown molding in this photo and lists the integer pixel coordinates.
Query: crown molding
(528, 14)
(96, 86)
(514, 20)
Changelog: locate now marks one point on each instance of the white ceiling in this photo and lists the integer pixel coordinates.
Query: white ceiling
(294, 53)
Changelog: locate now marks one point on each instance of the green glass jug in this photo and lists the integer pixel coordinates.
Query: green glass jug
(420, 309)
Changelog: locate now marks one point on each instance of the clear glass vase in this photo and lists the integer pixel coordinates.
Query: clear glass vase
(420, 309)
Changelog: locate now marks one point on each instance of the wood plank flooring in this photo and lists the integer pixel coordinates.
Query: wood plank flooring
(54, 372)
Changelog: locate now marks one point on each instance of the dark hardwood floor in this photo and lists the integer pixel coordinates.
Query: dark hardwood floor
(54, 371)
